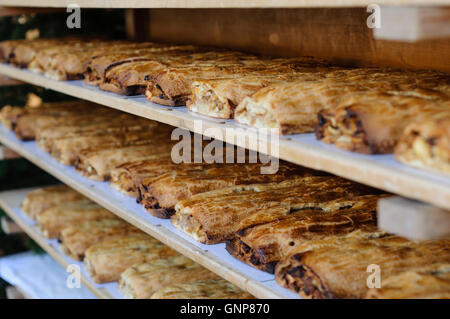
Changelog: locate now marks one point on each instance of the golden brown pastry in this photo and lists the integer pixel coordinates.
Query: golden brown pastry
(105, 261)
(98, 65)
(429, 282)
(97, 163)
(292, 107)
(46, 60)
(173, 86)
(25, 51)
(159, 195)
(7, 48)
(219, 97)
(426, 144)
(25, 124)
(339, 269)
(53, 220)
(205, 289)
(9, 115)
(374, 123)
(92, 124)
(127, 177)
(76, 239)
(66, 150)
(70, 62)
(216, 216)
(129, 75)
(141, 281)
(263, 245)
(41, 199)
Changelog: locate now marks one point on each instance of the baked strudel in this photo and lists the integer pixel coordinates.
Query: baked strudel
(68, 127)
(263, 245)
(98, 65)
(127, 177)
(159, 195)
(53, 220)
(426, 144)
(339, 269)
(97, 163)
(70, 62)
(66, 150)
(374, 123)
(141, 281)
(9, 115)
(130, 75)
(7, 48)
(173, 86)
(41, 199)
(429, 282)
(292, 107)
(204, 289)
(25, 51)
(32, 118)
(76, 239)
(107, 260)
(215, 216)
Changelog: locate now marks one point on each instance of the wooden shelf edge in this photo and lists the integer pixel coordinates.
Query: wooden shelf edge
(217, 3)
(5, 199)
(213, 257)
(381, 171)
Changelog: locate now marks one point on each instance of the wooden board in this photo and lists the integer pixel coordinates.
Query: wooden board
(381, 171)
(10, 202)
(213, 257)
(215, 3)
(412, 219)
(340, 35)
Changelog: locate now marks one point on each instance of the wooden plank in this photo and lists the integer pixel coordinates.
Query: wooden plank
(10, 202)
(216, 3)
(9, 227)
(213, 257)
(413, 220)
(339, 34)
(381, 171)
(413, 23)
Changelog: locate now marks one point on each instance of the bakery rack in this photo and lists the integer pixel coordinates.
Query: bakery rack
(10, 202)
(381, 171)
(420, 46)
(213, 257)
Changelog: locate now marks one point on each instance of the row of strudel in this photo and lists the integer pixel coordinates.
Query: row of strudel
(359, 109)
(113, 250)
(348, 266)
(93, 138)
